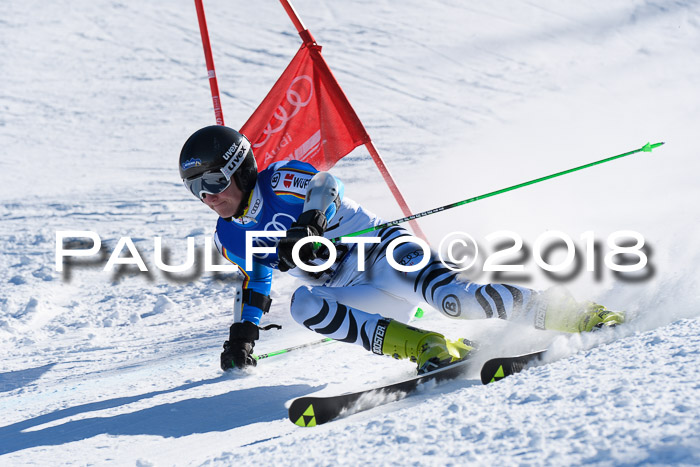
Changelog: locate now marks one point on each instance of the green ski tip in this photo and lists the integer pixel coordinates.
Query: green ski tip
(649, 147)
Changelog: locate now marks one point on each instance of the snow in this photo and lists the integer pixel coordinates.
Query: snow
(121, 367)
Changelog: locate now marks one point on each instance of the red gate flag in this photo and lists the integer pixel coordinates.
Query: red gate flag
(305, 116)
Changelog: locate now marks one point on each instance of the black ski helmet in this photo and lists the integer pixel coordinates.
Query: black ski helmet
(217, 152)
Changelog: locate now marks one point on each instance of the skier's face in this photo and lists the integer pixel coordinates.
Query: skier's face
(225, 203)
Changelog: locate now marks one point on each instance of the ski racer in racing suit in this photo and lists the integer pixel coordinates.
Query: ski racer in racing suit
(366, 303)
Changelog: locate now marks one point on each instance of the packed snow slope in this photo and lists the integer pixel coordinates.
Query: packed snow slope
(461, 98)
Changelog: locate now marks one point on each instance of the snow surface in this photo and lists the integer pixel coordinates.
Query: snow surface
(461, 98)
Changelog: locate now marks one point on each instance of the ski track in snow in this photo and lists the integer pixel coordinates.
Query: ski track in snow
(121, 367)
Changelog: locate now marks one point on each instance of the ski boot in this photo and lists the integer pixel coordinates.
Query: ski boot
(559, 311)
(429, 350)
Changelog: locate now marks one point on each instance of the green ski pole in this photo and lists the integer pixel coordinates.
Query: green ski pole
(646, 148)
(292, 348)
(418, 314)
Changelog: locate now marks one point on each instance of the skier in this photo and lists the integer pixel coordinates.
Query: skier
(367, 305)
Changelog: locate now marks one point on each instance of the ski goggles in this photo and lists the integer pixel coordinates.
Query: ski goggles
(211, 183)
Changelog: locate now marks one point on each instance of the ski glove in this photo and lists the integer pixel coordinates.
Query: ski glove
(238, 349)
(312, 222)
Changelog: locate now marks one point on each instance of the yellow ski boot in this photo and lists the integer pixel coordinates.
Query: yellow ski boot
(429, 350)
(561, 312)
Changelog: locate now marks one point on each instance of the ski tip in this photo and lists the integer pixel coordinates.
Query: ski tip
(307, 418)
(303, 413)
(498, 368)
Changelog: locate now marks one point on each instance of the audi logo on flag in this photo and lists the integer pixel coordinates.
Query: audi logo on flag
(298, 95)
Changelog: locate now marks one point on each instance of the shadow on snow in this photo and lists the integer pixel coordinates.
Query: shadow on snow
(186, 417)
(12, 380)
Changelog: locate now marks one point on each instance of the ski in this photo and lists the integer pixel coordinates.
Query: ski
(311, 411)
(498, 368)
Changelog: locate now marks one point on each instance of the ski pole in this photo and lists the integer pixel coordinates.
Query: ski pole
(292, 348)
(646, 148)
(418, 314)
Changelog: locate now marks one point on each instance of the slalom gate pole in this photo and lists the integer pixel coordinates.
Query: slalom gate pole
(213, 84)
(646, 148)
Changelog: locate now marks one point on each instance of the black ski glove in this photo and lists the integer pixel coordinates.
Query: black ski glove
(310, 223)
(238, 349)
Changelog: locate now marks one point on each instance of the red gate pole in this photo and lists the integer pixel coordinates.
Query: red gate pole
(210, 63)
(308, 39)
